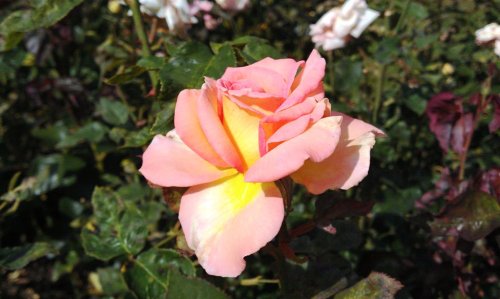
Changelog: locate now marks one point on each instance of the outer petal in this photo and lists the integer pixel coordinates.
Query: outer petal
(308, 82)
(169, 162)
(348, 164)
(316, 144)
(187, 124)
(345, 168)
(227, 220)
(366, 18)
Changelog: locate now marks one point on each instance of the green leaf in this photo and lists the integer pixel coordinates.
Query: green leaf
(18, 257)
(187, 64)
(125, 76)
(47, 173)
(375, 286)
(92, 132)
(163, 121)
(218, 64)
(118, 228)
(112, 281)
(114, 112)
(161, 273)
(137, 138)
(42, 13)
(416, 103)
(255, 51)
(387, 50)
(151, 62)
(474, 216)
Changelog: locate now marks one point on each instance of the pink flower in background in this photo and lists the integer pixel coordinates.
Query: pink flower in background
(204, 8)
(333, 29)
(489, 34)
(234, 5)
(235, 137)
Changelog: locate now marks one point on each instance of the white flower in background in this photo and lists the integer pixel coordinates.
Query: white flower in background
(177, 13)
(233, 5)
(333, 28)
(489, 34)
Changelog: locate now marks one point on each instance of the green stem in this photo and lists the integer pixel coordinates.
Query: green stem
(379, 89)
(402, 17)
(141, 34)
(331, 72)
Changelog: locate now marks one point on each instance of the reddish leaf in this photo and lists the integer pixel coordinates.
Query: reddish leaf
(440, 187)
(495, 122)
(474, 215)
(461, 130)
(443, 110)
(489, 182)
(329, 208)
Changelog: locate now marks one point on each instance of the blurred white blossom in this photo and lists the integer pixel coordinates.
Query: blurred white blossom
(333, 29)
(489, 34)
(233, 5)
(177, 13)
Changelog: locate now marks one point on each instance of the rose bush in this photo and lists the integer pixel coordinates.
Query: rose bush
(237, 135)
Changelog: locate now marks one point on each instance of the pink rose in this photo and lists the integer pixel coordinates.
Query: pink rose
(237, 135)
(333, 28)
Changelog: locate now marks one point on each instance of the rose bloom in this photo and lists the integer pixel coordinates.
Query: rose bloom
(234, 5)
(489, 34)
(333, 29)
(235, 137)
(176, 13)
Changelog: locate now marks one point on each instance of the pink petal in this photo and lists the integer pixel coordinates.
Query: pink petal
(257, 79)
(348, 164)
(290, 122)
(345, 168)
(227, 220)
(169, 162)
(213, 127)
(287, 68)
(187, 125)
(353, 128)
(316, 144)
(309, 81)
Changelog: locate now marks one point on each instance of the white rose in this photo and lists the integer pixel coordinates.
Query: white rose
(333, 28)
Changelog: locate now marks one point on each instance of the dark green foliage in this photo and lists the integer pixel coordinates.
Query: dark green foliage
(79, 103)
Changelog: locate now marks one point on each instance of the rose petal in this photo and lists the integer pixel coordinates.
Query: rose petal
(256, 78)
(187, 124)
(348, 164)
(316, 144)
(242, 126)
(345, 168)
(212, 126)
(287, 68)
(227, 220)
(353, 128)
(365, 19)
(169, 162)
(309, 81)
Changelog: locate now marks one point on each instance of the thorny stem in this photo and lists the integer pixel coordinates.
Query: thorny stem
(141, 34)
